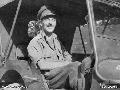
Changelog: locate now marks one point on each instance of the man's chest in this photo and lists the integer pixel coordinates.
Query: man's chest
(52, 50)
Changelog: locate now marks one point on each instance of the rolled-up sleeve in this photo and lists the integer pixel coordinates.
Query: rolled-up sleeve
(35, 51)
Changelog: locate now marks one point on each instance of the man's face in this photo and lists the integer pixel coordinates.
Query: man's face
(14, 86)
(49, 24)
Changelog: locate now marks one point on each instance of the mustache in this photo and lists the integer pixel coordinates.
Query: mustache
(50, 25)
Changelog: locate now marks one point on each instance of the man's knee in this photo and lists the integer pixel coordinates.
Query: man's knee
(87, 62)
(73, 65)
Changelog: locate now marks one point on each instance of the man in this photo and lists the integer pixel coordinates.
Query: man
(47, 52)
(12, 80)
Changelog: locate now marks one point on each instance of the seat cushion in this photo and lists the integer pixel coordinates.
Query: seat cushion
(109, 69)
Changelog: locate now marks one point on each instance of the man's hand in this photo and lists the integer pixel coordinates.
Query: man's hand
(86, 65)
(67, 56)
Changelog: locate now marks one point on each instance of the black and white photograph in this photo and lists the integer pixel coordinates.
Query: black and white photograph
(59, 44)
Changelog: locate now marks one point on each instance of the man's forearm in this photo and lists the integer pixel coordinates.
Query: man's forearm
(48, 65)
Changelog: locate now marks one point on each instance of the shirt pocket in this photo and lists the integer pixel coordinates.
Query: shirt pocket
(50, 55)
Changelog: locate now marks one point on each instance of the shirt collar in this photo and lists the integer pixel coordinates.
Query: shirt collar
(54, 36)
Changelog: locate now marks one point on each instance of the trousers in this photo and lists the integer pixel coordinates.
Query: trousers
(68, 77)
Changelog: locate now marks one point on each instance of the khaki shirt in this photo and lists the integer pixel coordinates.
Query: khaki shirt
(40, 49)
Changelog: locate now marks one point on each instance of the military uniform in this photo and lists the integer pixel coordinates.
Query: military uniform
(64, 77)
(40, 48)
